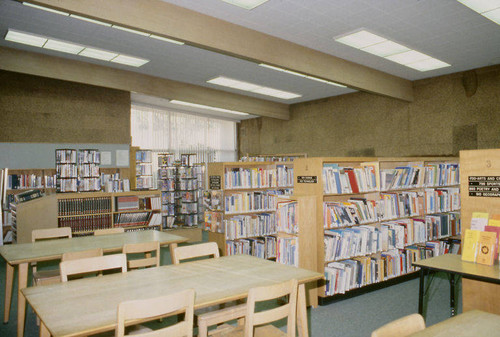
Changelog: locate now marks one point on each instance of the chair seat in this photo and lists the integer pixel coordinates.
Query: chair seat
(226, 330)
(44, 277)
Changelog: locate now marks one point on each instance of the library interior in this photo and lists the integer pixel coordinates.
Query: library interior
(250, 168)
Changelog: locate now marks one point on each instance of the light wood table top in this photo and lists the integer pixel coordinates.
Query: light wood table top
(453, 263)
(85, 306)
(473, 323)
(53, 249)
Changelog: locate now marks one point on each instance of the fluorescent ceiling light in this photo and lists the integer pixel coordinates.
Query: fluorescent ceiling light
(301, 75)
(45, 9)
(64, 47)
(208, 107)
(385, 48)
(481, 6)
(161, 38)
(130, 60)
(392, 51)
(360, 39)
(97, 22)
(251, 87)
(98, 54)
(428, 64)
(25, 38)
(246, 4)
(493, 15)
(276, 93)
(130, 30)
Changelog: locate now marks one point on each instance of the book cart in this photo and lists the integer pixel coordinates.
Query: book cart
(86, 212)
(377, 215)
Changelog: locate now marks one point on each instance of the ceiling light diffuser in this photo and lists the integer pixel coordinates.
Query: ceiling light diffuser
(130, 30)
(276, 93)
(428, 64)
(246, 4)
(208, 107)
(251, 87)
(45, 9)
(361, 39)
(481, 6)
(64, 47)
(271, 67)
(98, 54)
(130, 60)
(161, 38)
(408, 57)
(493, 15)
(385, 48)
(25, 38)
(97, 22)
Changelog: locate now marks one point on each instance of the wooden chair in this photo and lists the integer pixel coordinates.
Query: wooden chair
(193, 251)
(43, 277)
(402, 327)
(154, 308)
(256, 323)
(114, 230)
(147, 248)
(92, 264)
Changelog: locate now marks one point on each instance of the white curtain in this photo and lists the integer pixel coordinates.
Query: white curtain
(161, 130)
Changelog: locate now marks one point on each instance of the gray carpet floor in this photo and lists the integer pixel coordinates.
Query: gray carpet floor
(356, 317)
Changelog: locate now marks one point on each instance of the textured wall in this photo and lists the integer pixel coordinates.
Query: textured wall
(40, 110)
(447, 115)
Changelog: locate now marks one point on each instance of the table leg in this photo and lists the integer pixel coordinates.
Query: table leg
(302, 311)
(172, 246)
(44, 332)
(21, 300)
(9, 281)
(421, 292)
(452, 293)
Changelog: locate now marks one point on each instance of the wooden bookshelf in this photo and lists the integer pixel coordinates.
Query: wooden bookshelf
(28, 214)
(309, 179)
(477, 294)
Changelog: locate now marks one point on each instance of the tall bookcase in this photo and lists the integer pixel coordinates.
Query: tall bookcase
(378, 214)
(66, 170)
(86, 212)
(479, 163)
(143, 170)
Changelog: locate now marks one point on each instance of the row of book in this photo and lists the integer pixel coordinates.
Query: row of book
(189, 220)
(65, 156)
(143, 156)
(346, 275)
(442, 199)
(284, 175)
(264, 247)
(67, 185)
(89, 184)
(143, 170)
(442, 174)
(23, 181)
(144, 182)
(132, 219)
(86, 223)
(286, 217)
(344, 180)
(89, 156)
(88, 170)
(251, 178)
(213, 221)
(78, 206)
(187, 184)
(287, 251)
(402, 177)
(244, 226)
(345, 243)
(250, 201)
(66, 171)
(167, 173)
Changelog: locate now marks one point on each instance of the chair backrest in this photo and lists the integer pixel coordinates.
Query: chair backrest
(50, 233)
(153, 308)
(402, 327)
(92, 264)
(267, 293)
(114, 230)
(192, 251)
(147, 248)
(83, 254)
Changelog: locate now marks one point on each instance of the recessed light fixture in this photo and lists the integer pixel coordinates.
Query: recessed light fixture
(97, 22)
(161, 38)
(251, 87)
(301, 75)
(72, 48)
(487, 8)
(208, 107)
(130, 30)
(390, 50)
(45, 9)
(246, 4)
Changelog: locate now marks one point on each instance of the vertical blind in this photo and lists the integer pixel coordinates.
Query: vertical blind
(161, 130)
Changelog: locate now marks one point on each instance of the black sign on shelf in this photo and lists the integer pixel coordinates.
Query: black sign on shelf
(307, 179)
(484, 186)
(214, 182)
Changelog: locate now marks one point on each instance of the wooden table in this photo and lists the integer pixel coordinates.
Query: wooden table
(453, 265)
(470, 323)
(86, 306)
(24, 254)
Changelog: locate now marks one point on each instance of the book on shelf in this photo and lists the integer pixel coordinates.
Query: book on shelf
(345, 180)
(79, 206)
(496, 230)
(126, 203)
(132, 219)
(155, 220)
